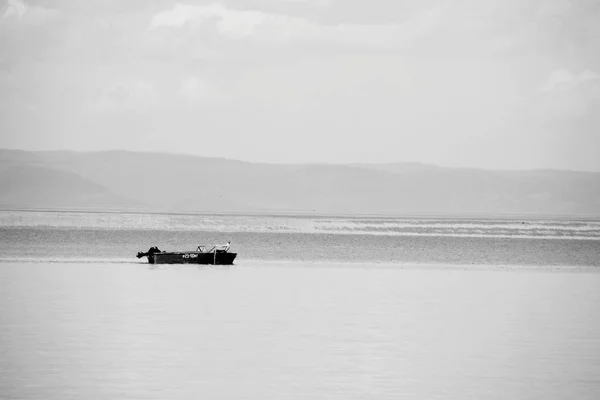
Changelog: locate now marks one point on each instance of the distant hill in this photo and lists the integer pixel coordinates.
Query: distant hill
(182, 183)
(34, 186)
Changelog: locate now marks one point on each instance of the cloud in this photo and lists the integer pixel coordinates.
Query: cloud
(554, 8)
(566, 96)
(563, 79)
(230, 23)
(21, 12)
(270, 27)
(316, 3)
(194, 88)
(127, 96)
(14, 9)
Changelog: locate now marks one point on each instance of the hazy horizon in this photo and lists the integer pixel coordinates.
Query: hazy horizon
(168, 182)
(479, 84)
(291, 163)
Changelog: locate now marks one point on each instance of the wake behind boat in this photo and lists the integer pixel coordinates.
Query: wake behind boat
(218, 255)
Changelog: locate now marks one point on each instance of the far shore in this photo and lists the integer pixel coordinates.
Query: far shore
(304, 213)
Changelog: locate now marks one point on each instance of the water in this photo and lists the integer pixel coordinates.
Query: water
(446, 227)
(302, 314)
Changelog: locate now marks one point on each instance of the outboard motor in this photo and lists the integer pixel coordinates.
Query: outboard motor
(150, 251)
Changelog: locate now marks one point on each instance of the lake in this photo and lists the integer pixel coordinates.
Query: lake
(313, 308)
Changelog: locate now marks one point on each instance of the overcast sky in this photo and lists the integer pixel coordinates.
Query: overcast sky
(483, 83)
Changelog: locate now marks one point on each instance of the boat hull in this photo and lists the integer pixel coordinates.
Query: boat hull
(192, 257)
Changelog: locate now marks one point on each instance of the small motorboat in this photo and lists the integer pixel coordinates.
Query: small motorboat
(214, 256)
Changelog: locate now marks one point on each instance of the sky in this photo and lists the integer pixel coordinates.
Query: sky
(510, 84)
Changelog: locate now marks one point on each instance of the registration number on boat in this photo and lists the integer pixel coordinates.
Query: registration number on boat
(190, 256)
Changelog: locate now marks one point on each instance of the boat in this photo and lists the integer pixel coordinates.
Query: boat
(214, 256)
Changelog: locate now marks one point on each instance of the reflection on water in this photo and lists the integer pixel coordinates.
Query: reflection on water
(296, 331)
(446, 227)
(58, 244)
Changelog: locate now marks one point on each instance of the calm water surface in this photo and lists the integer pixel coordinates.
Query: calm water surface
(107, 244)
(297, 330)
(315, 308)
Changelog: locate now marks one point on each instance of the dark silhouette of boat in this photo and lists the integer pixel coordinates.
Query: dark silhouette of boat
(213, 256)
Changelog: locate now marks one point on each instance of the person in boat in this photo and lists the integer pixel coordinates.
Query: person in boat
(222, 248)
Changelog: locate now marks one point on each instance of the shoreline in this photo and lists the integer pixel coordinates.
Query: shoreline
(313, 214)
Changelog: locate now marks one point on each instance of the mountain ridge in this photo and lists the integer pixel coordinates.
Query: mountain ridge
(187, 183)
(5, 151)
